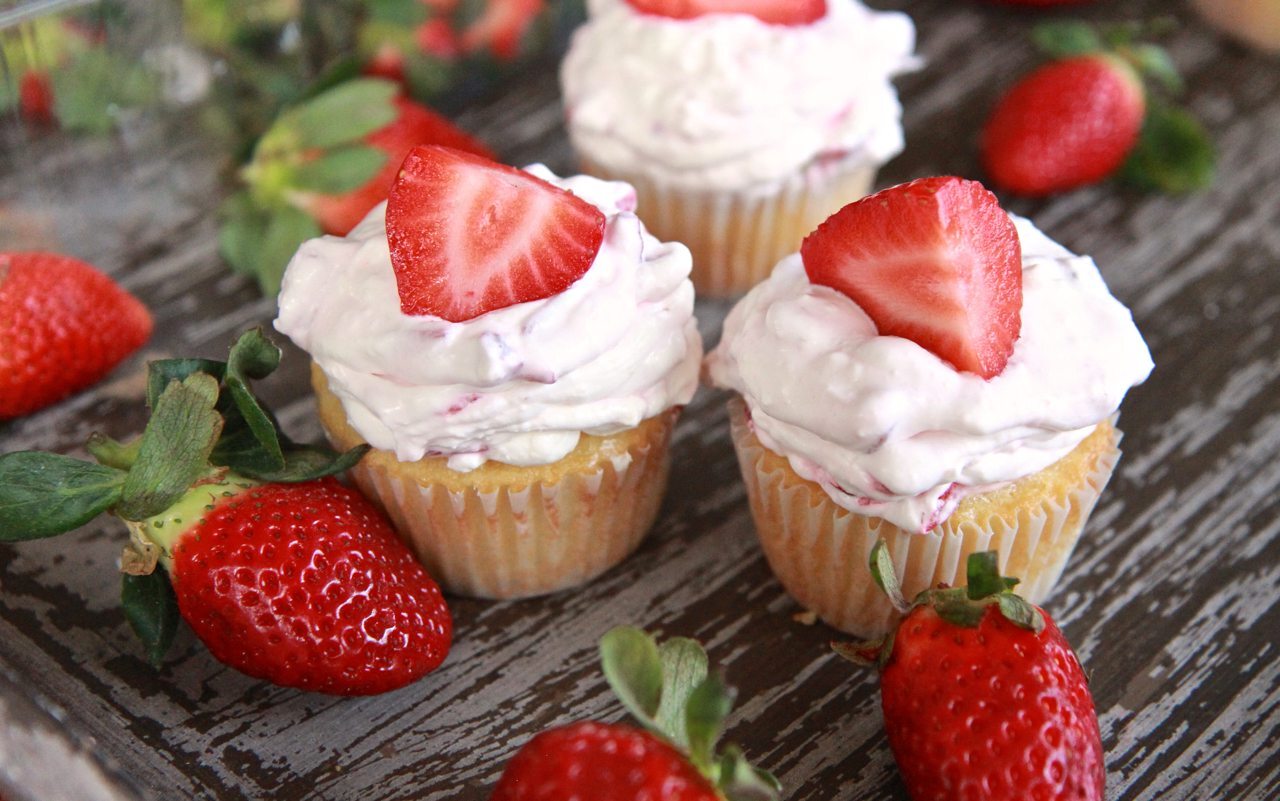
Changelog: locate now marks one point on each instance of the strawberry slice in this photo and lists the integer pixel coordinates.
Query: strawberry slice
(469, 235)
(936, 261)
(774, 12)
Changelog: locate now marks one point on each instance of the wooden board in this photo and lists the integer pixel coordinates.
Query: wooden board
(1171, 598)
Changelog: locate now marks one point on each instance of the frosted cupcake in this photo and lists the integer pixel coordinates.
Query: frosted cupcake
(1255, 22)
(930, 372)
(740, 131)
(515, 347)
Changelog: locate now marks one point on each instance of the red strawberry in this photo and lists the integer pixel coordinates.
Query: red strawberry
(668, 689)
(284, 573)
(469, 235)
(501, 27)
(982, 696)
(774, 12)
(936, 261)
(1067, 124)
(414, 125)
(35, 98)
(304, 585)
(604, 763)
(63, 327)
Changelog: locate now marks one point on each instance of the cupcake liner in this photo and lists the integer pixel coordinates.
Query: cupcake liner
(510, 532)
(819, 550)
(736, 237)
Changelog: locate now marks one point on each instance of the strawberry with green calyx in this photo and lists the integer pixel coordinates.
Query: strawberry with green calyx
(681, 707)
(321, 167)
(281, 571)
(1100, 107)
(982, 696)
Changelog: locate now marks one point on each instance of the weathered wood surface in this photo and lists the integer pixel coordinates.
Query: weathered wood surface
(1171, 598)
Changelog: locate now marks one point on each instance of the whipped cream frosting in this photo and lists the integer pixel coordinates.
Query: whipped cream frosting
(890, 430)
(518, 385)
(726, 101)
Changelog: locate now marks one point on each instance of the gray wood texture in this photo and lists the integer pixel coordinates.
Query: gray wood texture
(1172, 598)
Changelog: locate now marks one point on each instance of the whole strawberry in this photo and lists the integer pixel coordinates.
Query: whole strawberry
(63, 327)
(983, 698)
(682, 708)
(1086, 114)
(321, 167)
(281, 571)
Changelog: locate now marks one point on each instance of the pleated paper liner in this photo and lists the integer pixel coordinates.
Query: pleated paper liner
(502, 531)
(737, 237)
(819, 550)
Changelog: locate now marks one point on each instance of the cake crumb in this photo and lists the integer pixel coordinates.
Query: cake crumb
(806, 618)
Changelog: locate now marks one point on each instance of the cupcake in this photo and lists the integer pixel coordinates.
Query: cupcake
(1254, 22)
(930, 372)
(741, 130)
(515, 347)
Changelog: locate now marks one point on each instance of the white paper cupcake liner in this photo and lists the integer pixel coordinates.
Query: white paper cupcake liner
(736, 237)
(819, 550)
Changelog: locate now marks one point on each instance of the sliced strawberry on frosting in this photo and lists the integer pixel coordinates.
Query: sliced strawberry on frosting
(774, 12)
(469, 235)
(936, 261)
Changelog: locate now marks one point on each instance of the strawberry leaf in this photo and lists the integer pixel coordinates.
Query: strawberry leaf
(152, 611)
(342, 170)
(740, 781)
(305, 463)
(1020, 612)
(344, 114)
(254, 356)
(708, 705)
(633, 667)
(175, 447)
(1066, 38)
(401, 13)
(885, 577)
(111, 453)
(286, 231)
(684, 667)
(1174, 153)
(90, 88)
(45, 494)
(1154, 62)
(162, 372)
(244, 227)
(983, 576)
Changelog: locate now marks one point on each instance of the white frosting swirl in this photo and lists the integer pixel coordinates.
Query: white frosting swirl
(891, 430)
(517, 385)
(726, 101)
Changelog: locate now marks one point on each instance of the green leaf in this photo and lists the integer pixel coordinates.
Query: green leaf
(953, 605)
(90, 88)
(175, 447)
(984, 579)
(885, 577)
(342, 170)
(1066, 38)
(740, 781)
(244, 227)
(633, 668)
(162, 372)
(111, 453)
(152, 611)
(254, 356)
(45, 494)
(286, 231)
(1020, 612)
(305, 463)
(684, 667)
(709, 704)
(344, 114)
(401, 13)
(1174, 153)
(1154, 62)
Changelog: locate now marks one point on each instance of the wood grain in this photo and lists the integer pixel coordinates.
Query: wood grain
(1172, 598)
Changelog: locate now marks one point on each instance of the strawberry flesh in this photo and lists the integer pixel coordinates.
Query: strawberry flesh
(305, 585)
(773, 12)
(935, 261)
(1068, 124)
(601, 762)
(63, 327)
(469, 236)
